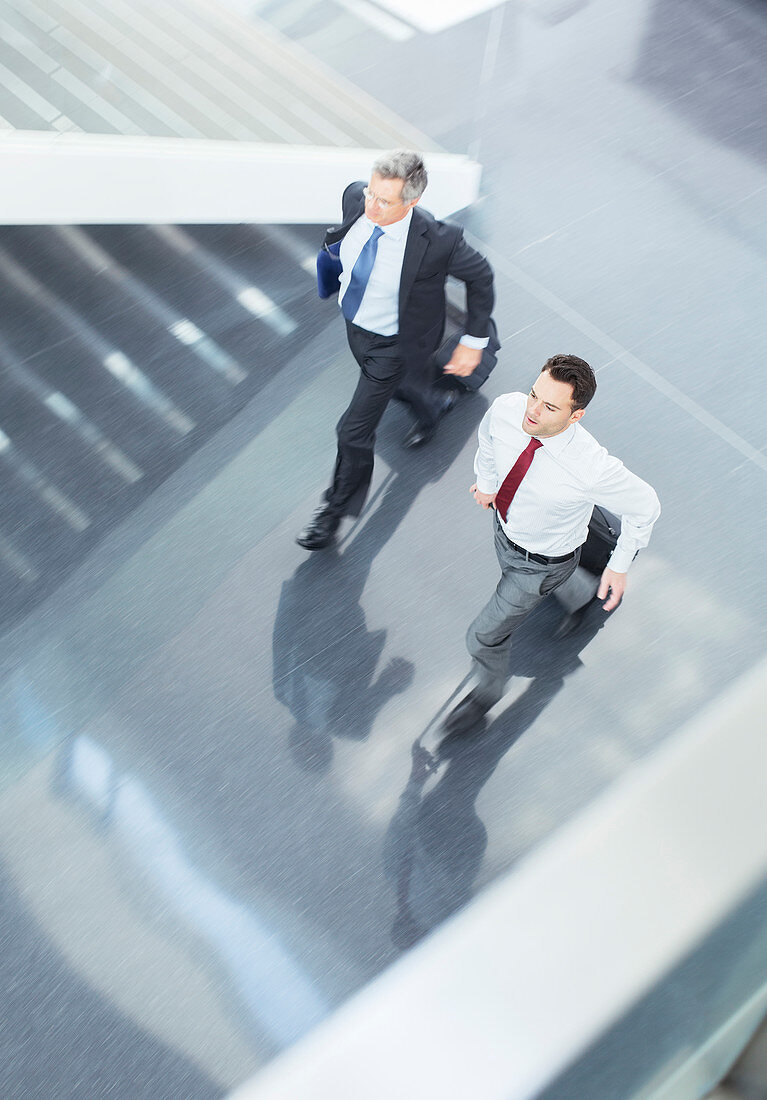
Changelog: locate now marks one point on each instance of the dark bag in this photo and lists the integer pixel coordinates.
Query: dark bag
(328, 270)
(604, 529)
(489, 358)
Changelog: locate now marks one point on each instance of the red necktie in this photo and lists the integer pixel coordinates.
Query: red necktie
(511, 483)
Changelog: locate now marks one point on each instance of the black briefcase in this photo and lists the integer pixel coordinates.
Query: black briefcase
(479, 376)
(604, 529)
(579, 589)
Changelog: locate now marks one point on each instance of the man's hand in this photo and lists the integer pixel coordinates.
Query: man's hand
(615, 583)
(486, 499)
(464, 361)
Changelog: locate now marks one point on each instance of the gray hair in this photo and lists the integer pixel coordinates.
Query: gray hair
(403, 165)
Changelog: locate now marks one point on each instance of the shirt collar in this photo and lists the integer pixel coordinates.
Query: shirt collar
(555, 444)
(397, 230)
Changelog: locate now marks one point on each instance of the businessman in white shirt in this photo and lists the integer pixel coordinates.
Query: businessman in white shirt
(542, 473)
(395, 261)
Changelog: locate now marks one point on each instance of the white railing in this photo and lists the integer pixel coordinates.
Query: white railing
(79, 179)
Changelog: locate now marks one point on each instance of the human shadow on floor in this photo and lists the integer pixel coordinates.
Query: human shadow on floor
(436, 841)
(324, 657)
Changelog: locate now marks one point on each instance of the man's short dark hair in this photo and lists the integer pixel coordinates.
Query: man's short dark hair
(403, 165)
(576, 373)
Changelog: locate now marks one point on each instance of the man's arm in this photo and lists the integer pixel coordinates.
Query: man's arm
(351, 199)
(611, 583)
(486, 485)
(472, 269)
(464, 361)
(486, 500)
(636, 502)
(352, 206)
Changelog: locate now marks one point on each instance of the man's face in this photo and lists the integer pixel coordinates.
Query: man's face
(549, 408)
(383, 201)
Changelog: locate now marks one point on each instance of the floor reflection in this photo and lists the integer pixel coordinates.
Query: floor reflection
(279, 996)
(436, 841)
(715, 75)
(53, 1021)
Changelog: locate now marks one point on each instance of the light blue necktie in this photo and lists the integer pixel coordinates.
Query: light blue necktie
(352, 299)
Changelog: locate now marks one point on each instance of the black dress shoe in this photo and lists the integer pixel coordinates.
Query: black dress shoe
(468, 713)
(418, 435)
(321, 531)
(449, 398)
(421, 433)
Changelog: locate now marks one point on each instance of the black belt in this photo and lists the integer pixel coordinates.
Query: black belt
(368, 332)
(540, 559)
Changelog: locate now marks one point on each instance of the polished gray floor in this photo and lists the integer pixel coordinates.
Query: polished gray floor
(214, 826)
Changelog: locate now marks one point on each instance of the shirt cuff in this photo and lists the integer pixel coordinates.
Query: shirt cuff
(485, 486)
(620, 560)
(479, 343)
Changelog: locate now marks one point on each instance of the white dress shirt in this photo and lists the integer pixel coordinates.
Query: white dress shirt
(569, 474)
(379, 309)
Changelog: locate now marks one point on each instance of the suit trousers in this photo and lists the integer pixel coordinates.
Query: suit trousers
(381, 371)
(523, 585)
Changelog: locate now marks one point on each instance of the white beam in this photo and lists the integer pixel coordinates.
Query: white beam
(433, 16)
(59, 179)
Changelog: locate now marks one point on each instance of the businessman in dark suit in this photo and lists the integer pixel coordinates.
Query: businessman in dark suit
(395, 260)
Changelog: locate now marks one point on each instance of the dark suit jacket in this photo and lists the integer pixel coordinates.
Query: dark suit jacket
(433, 251)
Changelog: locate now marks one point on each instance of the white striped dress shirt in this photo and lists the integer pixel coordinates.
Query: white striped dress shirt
(569, 474)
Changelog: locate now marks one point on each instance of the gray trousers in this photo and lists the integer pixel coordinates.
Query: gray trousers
(522, 586)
